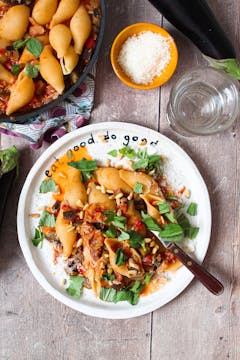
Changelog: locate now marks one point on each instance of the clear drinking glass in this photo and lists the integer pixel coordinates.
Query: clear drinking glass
(204, 101)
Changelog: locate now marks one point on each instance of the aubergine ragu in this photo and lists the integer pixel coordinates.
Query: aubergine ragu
(196, 20)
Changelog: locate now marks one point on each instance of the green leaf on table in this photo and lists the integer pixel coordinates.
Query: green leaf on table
(48, 186)
(120, 258)
(38, 237)
(8, 159)
(192, 209)
(138, 188)
(75, 286)
(230, 66)
(47, 219)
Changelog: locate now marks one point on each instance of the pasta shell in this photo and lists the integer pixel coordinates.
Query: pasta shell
(6, 75)
(26, 56)
(125, 269)
(51, 70)
(152, 210)
(97, 197)
(66, 236)
(149, 184)
(110, 179)
(44, 10)
(4, 42)
(80, 26)
(65, 11)
(22, 93)
(60, 38)
(15, 22)
(75, 190)
(69, 61)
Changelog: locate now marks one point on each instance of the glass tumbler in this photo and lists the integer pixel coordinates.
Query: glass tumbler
(204, 101)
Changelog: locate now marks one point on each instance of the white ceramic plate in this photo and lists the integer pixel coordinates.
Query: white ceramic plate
(180, 170)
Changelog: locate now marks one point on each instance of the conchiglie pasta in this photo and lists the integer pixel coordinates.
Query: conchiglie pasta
(80, 26)
(65, 11)
(75, 190)
(44, 10)
(151, 209)
(149, 184)
(125, 269)
(6, 75)
(50, 69)
(44, 39)
(60, 38)
(110, 179)
(69, 61)
(15, 22)
(26, 56)
(4, 42)
(66, 237)
(22, 93)
(97, 197)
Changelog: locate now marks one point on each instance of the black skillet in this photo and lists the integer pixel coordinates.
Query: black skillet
(85, 64)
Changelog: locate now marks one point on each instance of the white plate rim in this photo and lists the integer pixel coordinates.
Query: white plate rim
(28, 255)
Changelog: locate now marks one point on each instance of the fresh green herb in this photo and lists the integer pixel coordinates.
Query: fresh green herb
(75, 286)
(110, 215)
(150, 222)
(47, 219)
(32, 70)
(189, 230)
(230, 66)
(113, 153)
(34, 46)
(170, 217)
(8, 159)
(131, 295)
(38, 237)
(19, 44)
(164, 208)
(118, 221)
(172, 232)
(147, 278)
(107, 276)
(120, 258)
(138, 188)
(111, 232)
(136, 240)
(126, 151)
(148, 162)
(192, 209)
(15, 69)
(48, 186)
(124, 236)
(85, 166)
(171, 198)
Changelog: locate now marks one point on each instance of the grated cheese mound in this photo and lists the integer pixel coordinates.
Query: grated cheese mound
(144, 56)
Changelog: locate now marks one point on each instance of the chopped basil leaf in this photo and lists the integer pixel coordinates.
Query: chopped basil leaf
(147, 278)
(138, 188)
(19, 44)
(113, 153)
(141, 164)
(148, 162)
(85, 166)
(123, 236)
(172, 232)
(15, 69)
(170, 217)
(136, 290)
(164, 208)
(75, 286)
(110, 215)
(150, 222)
(107, 276)
(120, 258)
(183, 221)
(48, 186)
(126, 151)
(111, 232)
(192, 209)
(171, 198)
(131, 295)
(136, 240)
(38, 237)
(119, 221)
(192, 232)
(34, 46)
(32, 70)
(47, 219)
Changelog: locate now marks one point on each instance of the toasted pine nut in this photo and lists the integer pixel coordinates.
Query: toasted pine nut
(85, 207)
(34, 215)
(155, 249)
(98, 187)
(69, 229)
(130, 196)
(79, 243)
(103, 190)
(147, 240)
(108, 191)
(119, 156)
(118, 196)
(81, 215)
(110, 270)
(79, 203)
(88, 190)
(111, 197)
(107, 162)
(119, 212)
(132, 272)
(152, 244)
(63, 282)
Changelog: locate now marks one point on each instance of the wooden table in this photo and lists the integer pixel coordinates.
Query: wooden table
(194, 326)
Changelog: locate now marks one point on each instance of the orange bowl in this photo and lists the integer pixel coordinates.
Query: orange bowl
(134, 30)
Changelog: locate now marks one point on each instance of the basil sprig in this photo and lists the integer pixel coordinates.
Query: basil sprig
(85, 166)
(33, 45)
(48, 186)
(131, 295)
(75, 286)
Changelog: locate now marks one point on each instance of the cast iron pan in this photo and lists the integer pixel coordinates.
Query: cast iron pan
(82, 69)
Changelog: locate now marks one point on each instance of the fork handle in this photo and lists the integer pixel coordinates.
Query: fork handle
(208, 280)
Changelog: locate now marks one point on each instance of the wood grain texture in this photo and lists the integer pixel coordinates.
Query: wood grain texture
(194, 326)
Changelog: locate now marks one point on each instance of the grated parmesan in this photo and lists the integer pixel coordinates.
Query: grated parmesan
(144, 56)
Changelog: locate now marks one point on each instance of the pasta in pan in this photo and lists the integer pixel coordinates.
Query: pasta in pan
(100, 223)
(68, 27)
